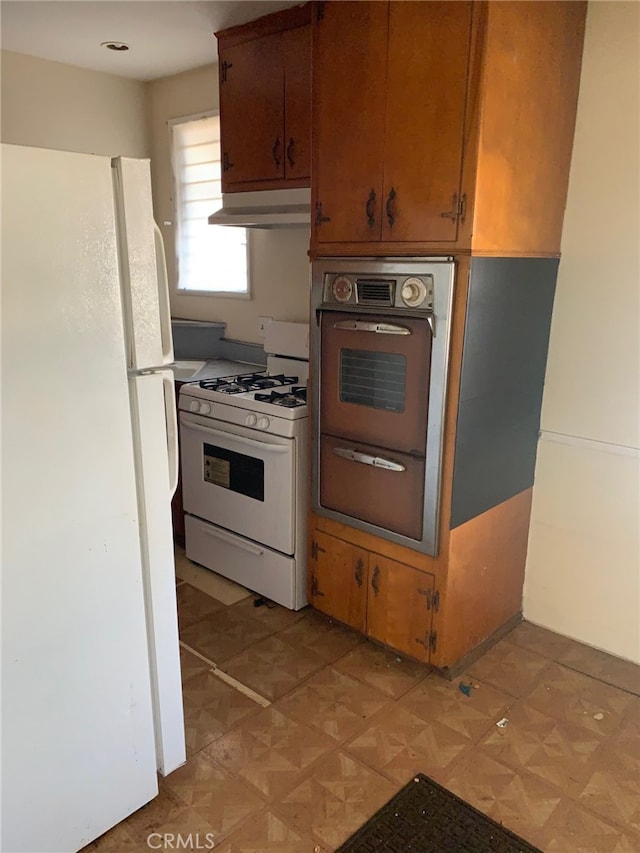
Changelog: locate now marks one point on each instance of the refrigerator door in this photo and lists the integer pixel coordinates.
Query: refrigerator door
(78, 751)
(153, 407)
(145, 289)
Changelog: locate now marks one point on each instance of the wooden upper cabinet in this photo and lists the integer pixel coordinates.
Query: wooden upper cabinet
(265, 102)
(442, 127)
(389, 91)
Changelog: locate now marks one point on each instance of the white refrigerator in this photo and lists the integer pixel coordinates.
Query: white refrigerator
(91, 692)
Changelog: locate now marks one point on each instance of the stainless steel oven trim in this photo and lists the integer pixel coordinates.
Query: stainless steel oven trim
(443, 270)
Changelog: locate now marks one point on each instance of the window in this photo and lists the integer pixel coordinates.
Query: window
(209, 258)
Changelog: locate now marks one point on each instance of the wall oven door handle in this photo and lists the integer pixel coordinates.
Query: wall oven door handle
(235, 541)
(255, 444)
(377, 328)
(366, 459)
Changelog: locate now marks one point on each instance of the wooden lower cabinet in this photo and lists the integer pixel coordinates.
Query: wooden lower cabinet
(389, 601)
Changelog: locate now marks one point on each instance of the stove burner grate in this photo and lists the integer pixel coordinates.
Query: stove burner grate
(246, 382)
(296, 396)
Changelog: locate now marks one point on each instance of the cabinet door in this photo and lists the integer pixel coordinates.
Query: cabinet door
(338, 579)
(399, 606)
(296, 48)
(349, 73)
(429, 47)
(251, 111)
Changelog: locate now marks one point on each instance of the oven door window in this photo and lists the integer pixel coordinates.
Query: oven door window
(238, 472)
(374, 379)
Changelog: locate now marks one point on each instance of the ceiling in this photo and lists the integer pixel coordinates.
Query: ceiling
(164, 37)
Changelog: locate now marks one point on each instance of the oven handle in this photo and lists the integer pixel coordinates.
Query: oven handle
(378, 328)
(235, 541)
(239, 439)
(366, 459)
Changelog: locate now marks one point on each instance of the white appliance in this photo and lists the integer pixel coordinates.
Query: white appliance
(91, 694)
(244, 470)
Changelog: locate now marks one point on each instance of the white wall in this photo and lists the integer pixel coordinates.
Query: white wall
(279, 262)
(52, 105)
(583, 565)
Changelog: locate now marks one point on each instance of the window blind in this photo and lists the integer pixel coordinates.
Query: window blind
(209, 257)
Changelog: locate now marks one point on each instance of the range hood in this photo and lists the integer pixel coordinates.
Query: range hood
(265, 209)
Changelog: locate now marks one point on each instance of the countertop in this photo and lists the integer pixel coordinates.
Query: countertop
(193, 370)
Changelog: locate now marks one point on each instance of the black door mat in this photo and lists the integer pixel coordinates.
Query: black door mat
(424, 817)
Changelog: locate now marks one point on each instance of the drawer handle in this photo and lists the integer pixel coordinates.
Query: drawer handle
(231, 540)
(366, 459)
(370, 209)
(377, 328)
(375, 580)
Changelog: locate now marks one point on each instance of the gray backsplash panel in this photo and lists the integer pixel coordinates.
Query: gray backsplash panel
(193, 340)
(205, 340)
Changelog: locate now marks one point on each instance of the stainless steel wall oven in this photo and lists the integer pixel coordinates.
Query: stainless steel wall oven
(380, 353)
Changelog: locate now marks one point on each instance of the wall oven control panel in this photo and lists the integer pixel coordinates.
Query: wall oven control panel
(412, 292)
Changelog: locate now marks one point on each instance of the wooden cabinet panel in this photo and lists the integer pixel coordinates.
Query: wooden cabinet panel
(425, 108)
(338, 579)
(349, 75)
(531, 77)
(400, 606)
(296, 49)
(252, 111)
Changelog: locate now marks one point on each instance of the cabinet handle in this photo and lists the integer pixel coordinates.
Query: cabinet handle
(226, 164)
(224, 68)
(275, 151)
(375, 580)
(370, 209)
(320, 218)
(315, 592)
(291, 152)
(391, 207)
(358, 574)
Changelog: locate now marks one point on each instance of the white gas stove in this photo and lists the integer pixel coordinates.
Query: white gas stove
(244, 470)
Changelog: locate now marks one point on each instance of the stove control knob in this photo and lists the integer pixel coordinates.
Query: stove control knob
(205, 408)
(251, 420)
(263, 423)
(414, 292)
(194, 406)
